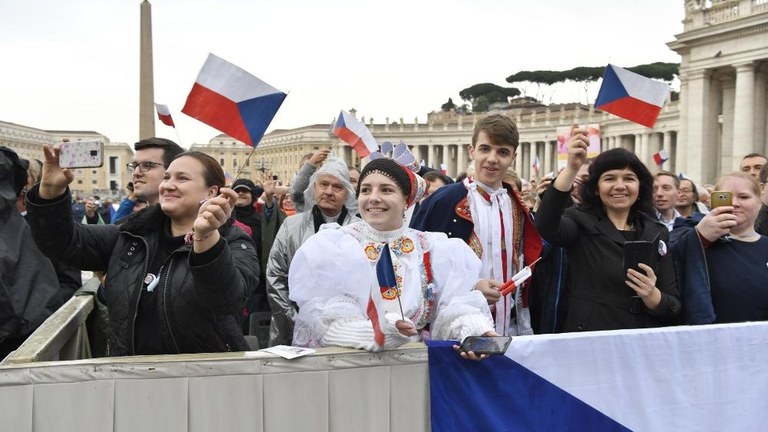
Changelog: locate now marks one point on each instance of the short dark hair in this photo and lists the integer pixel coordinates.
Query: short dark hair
(500, 129)
(751, 155)
(675, 178)
(693, 188)
(763, 176)
(437, 175)
(618, 158)
(170, 148)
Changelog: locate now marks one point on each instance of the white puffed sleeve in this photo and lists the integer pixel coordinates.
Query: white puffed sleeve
(330, 281)
(459, 311)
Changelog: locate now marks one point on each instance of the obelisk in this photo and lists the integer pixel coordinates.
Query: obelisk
(146, 75)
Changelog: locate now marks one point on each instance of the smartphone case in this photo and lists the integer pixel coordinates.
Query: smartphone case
(81, 154)
(486, 344)
(640, 251)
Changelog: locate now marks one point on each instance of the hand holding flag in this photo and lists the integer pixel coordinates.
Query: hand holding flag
(233, 101)
(517, 279)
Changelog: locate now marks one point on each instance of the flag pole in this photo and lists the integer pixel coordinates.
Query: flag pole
(247, 159)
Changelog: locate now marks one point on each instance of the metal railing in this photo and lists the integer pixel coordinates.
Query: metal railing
(63, 336)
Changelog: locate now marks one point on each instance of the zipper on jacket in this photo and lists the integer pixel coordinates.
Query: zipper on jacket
(138, 297)
(165, 304)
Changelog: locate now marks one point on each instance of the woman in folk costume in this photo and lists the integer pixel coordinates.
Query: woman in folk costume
(377, 284)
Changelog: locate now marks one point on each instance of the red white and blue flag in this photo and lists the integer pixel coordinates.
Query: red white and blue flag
(164, 114)
(631, 96)
(660, 157)
(672, 378)
(355, 134)
(385, 295)
(536, 166)
(233, 101)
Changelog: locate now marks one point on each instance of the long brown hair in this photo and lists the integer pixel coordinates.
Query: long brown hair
(213, 173)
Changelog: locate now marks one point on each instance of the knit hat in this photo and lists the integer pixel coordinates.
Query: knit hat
(412, 186)
(246, 184)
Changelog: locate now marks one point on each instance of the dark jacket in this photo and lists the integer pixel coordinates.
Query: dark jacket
(447, 211)
(198, 305)
(599, 298)
(692, 274)
(761, 223)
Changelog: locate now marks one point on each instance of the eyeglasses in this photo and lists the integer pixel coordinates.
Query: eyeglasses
(143, 166)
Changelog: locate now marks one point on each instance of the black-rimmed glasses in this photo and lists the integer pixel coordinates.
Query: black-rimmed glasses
(143, 166)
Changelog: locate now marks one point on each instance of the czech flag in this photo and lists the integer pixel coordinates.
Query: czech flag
(233, 101)
(631, 96)
(536, 165)
(164, 114)
(355, 134)
(697, 378)
(385, 297)
(661, 157)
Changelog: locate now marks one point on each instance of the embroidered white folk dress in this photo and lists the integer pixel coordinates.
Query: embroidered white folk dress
(332, 274)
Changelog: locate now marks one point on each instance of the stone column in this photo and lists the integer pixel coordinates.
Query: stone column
(525, 162)
(727, 155)
(743, 113)
(146, 75)
(546, 163)
(698, 125)
(461, 159)
(760, 104)
(432, 157)
(666, 144)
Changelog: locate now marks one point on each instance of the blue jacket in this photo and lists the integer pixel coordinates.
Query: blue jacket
(692, 274)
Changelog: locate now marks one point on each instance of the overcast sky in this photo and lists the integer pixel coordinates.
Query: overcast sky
(74, 65)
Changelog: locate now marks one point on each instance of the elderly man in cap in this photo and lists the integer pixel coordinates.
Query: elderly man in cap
(327, 200)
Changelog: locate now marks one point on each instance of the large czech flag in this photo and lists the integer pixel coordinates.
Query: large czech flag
(693, 378)
(233, 101)
(355, 134)
(631, 96)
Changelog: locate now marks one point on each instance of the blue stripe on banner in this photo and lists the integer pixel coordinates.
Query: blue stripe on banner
(257, 114)
(498, 394)
(611, 89)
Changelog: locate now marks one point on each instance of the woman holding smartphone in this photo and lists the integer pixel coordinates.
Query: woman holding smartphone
(422, 282)
(722, 261)
(615, 208)
(177, 273)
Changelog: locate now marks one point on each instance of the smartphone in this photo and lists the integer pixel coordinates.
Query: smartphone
(486, 344)
(641, 251)
(274, 177)
(721, 198)
(81, 154)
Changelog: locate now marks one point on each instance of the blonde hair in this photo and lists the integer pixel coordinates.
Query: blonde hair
(742, 175)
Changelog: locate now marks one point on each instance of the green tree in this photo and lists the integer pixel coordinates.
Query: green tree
(480, 104)
(492, 93)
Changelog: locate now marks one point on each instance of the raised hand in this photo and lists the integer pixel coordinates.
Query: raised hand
(214, 213)
(55, 179)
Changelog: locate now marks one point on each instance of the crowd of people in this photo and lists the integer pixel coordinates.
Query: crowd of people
(376, 257)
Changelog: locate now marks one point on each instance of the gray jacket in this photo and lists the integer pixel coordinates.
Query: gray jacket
(294, 231)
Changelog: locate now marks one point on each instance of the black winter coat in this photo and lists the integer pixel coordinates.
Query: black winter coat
(198, 306)
(599, 298)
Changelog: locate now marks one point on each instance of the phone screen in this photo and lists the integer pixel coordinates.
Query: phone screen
(486, 344)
